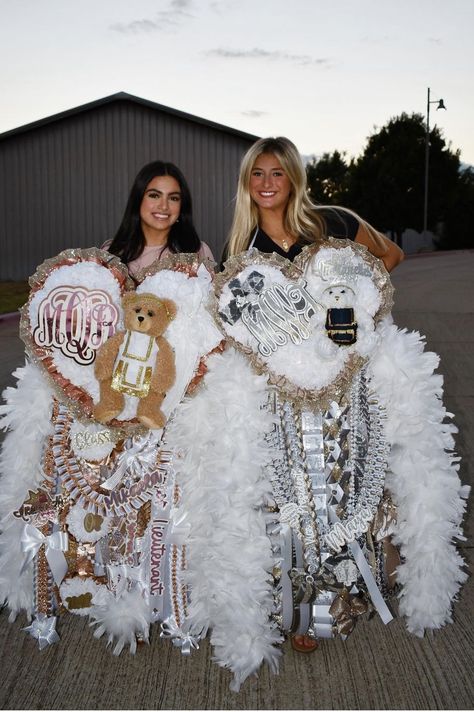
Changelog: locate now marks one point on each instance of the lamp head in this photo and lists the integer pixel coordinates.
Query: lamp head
(440, 105)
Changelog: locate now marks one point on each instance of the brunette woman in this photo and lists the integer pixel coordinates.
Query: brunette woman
(158, 219)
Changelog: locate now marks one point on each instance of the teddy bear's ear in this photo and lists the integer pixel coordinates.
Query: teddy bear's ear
(128, 299)
(170, 307)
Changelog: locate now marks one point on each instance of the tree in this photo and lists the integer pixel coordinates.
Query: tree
(458, 230)
(386, 183)
(328, 178)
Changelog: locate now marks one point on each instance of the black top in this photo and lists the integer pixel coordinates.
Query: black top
(338, 224)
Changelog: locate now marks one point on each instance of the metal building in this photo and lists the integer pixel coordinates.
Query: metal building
(64, 180)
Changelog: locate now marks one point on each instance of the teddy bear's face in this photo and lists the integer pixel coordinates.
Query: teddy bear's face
(338, 295)
(147, 314)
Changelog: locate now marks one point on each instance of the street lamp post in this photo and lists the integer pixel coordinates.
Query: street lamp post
(441, 105)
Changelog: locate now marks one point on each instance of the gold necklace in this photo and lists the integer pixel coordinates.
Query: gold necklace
(283, 243)
(280, 241)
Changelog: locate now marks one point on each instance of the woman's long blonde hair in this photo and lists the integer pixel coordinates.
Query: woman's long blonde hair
(301, 218)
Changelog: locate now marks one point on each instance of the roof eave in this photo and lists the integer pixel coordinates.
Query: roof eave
(124, 96)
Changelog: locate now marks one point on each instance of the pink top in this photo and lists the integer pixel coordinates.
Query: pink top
(150, 254)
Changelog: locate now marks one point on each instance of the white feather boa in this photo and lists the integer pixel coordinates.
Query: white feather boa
(229, 555)
(423, 477)
(27, 415)
(220, 431)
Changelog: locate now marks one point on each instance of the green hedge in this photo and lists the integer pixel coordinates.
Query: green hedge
(12, 296)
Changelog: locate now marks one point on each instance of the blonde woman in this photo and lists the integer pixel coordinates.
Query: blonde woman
(274, 213)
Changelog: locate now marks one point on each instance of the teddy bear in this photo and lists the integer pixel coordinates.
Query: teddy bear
(137, 362)
(340, 324)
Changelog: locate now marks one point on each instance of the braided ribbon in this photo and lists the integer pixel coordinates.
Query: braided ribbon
(55, 544)
(185, 641)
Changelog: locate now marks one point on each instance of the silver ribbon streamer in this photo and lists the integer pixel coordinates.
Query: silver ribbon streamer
(287, 589)
(185, 641)
(364, 568)
(43, 629)
(31, 542)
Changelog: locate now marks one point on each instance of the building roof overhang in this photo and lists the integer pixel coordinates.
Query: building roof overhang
(124, 96)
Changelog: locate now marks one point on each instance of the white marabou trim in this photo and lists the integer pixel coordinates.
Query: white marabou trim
(422, 477)
(27, 416)
(229, 554)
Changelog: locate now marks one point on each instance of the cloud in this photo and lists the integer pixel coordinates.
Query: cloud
(137, 26)
(180, 7)
(221, 7)
(435, 40)
(272, 55)
(177, 11)
(253, 113)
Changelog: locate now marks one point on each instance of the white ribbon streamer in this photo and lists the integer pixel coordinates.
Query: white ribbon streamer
(179, 527)
(163, 527)
(374, 592)
(31, 542)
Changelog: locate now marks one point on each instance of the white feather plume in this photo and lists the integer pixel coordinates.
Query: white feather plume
(27, 416)
(221, 431)
(423, 477)
(121, 620)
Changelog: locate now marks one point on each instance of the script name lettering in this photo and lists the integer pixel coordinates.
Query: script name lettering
(280, 313)
(125, 494)
(77, 321)
(347, 531)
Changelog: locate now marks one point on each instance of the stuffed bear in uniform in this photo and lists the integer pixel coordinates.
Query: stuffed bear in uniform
(341, 326)
(137, 362)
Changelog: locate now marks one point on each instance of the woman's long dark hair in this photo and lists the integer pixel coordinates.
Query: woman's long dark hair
(129, 240)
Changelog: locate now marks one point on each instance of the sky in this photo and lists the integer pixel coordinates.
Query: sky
(327, 74)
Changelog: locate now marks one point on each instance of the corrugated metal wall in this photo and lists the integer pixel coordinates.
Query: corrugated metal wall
(65, 184)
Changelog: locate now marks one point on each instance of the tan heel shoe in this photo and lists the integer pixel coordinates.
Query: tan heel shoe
(303, 643)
